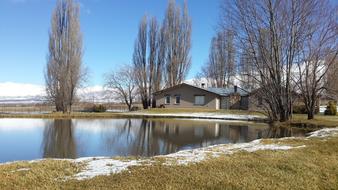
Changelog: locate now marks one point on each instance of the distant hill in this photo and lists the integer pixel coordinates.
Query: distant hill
(18, 93)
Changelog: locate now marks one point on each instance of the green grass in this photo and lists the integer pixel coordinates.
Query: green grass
(312, 167)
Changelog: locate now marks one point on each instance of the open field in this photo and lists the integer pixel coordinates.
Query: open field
(313, 166)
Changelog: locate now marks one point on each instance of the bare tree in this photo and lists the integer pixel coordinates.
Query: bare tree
(318, 52)
(146, 60)
(64, 72)
(153, 64)
(246, 70)
(220, 69)
(122, 83)
(272, 31)
(160, 61)
(140, 62)
(332, 80)
(177, 27)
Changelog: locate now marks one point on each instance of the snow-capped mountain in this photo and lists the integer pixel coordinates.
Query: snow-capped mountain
(19, 93)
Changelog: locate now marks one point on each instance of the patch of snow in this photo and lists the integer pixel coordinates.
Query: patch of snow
(190, 156)
(21, 169)
(103, 166)
(326, 132)
(116, 110)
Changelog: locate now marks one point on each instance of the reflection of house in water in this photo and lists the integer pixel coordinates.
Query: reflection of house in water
(182, 134)
(154, 137)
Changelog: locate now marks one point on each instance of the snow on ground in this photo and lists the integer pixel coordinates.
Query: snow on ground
(203, 115)
(326, 132)
(196, 155)
(103, 166)
(323, 108)
(21, 170)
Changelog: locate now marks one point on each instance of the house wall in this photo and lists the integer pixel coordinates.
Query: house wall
(187, 94)
(244, 103)
(235, 101)
(225, 102)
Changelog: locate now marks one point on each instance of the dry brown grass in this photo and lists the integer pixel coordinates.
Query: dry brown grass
(312, 167)
(47, 174)
(319, 121)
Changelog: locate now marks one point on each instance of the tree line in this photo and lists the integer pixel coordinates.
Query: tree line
(281, 47)
(161, 56)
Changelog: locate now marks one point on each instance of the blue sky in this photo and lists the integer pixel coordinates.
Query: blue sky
(109, 28)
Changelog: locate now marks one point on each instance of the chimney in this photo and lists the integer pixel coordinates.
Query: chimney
(203, 85)
(235, 89)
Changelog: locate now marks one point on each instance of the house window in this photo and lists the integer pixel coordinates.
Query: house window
(199, 100)
(167, 99)
(177, 99)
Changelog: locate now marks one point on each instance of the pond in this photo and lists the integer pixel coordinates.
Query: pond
(28, 139)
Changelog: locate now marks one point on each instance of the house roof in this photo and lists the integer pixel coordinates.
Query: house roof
(217, 91)
(227, 91)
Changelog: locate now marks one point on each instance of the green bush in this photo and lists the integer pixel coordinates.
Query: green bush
(331, 108)
(99, 108)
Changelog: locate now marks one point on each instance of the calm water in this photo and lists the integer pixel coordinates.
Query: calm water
(27, 139)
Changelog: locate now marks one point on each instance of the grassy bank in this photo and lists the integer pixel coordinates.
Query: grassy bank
(313, 167)
(320, 121)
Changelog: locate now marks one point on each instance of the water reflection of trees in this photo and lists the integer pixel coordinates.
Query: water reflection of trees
(280, 132)
(145, 137)
(58, 140)
(153, 137)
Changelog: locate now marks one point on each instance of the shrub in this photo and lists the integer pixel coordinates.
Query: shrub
(99, 108)
(301, 109)
(331, 108)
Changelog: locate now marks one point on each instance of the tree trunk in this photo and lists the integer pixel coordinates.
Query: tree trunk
(145, 103)
(310, 115)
